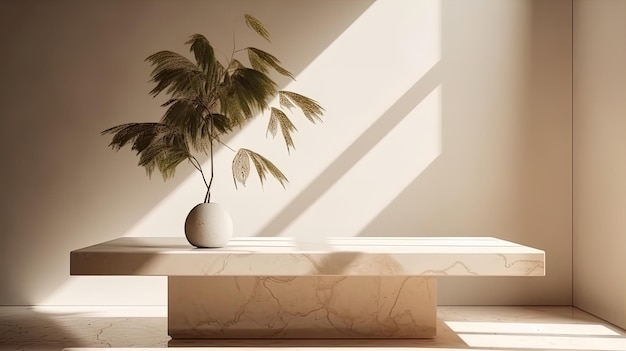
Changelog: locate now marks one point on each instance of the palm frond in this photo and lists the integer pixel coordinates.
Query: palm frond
(205, 57)
(278, 117)
(209, 98)
(190, 119)
(245, 92)
(241, 167)
(311, 108)
(254, 87)
(284, 101)
(214, 126)
(187, 117)
(232, 106)
(176, 74)
(261, 60)
(263, 166)
(257, 26)
(140, 134)
(157, 144)
(221, 124)
(169, 159)
(202, 50)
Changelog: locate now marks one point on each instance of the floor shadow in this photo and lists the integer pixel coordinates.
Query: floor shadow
(30, 330)
(445, 338)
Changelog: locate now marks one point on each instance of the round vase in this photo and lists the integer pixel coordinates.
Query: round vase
(208, 225)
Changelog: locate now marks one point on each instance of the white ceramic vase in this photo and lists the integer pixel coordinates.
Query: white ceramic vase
(208, 225)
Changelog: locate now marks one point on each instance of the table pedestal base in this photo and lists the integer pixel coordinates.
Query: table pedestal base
(202, 307)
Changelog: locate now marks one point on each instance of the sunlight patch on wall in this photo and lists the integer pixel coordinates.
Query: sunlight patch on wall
(357, 79)
(376, 179)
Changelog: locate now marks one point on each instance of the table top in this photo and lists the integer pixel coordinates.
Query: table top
(286, 256)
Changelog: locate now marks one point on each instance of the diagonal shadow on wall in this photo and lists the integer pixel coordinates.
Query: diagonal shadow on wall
(505, 167)
(350, 156)
(85, 194)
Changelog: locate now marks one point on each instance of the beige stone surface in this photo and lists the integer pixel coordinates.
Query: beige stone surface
(302, 307)
(285, 256)
(502, 328)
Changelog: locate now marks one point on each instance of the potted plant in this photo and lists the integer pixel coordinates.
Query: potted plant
(209, 98)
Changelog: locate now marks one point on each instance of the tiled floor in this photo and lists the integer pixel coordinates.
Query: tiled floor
(460, 328)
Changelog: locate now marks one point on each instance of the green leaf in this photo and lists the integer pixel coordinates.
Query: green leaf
(241, 167)
(158, 145)
(278, 117)
(169, 160)
(284, 101)
(257, 26)
(164, 155)
(246, 92)
(186, 117)
(202, 50)
(263, 166)
(311, 108)
(140, 134)
(221, 124)
(176, 74)
(261, 60)
(205, 57)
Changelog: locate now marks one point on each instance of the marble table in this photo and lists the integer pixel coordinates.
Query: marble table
(280, 287)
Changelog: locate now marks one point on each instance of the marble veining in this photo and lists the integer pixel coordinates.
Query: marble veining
(302, 307)
(351, 287)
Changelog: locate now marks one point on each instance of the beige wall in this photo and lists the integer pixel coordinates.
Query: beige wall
(505, 168)
(599, 158)
(448, 118)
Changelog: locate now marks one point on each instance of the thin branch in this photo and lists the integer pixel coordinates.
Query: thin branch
(228, 147)
(194, 161)
(207, 197)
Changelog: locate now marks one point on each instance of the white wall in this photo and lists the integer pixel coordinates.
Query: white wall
(599, 158)
(443, 118)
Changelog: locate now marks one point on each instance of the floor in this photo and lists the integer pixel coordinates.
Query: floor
(460, 328)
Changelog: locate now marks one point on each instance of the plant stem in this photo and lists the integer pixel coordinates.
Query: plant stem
(207, 198)
(196, 164)
(226, 146)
